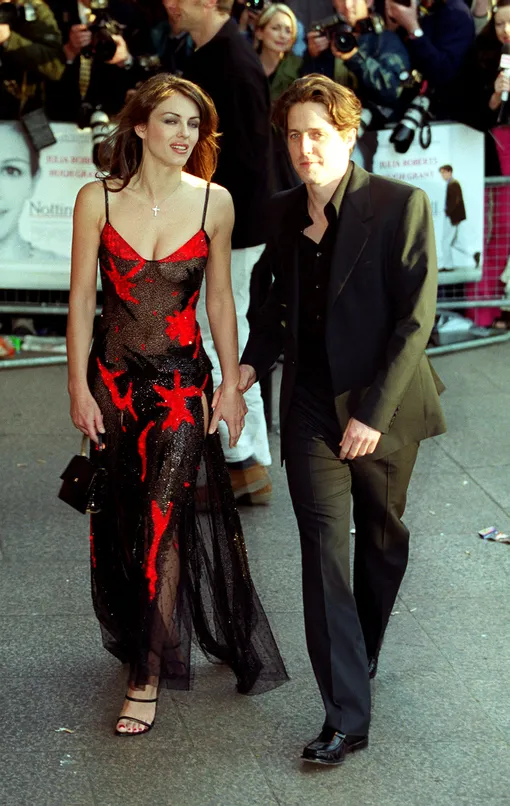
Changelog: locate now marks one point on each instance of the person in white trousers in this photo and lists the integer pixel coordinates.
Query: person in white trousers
(226, 66)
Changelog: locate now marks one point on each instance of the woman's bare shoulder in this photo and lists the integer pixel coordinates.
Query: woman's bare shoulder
(220, 197)
(91, 193)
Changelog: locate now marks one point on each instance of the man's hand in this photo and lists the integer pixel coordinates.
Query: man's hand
(358, 440)
(122, 54)
(247, 377)
(317, 43)
(5, 32)
(79, 38)
(405, 16)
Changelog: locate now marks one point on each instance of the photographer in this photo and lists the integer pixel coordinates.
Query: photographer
(92, 77)
(438, 42)
(370, 62)
(30, 46)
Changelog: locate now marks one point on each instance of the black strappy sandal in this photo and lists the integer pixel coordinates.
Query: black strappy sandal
(147, 725)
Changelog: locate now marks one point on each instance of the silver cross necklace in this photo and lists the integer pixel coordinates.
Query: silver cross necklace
(156, 209)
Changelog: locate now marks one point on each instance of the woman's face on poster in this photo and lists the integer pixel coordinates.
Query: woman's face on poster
(16, 180)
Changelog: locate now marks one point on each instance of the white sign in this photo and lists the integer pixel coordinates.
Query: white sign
(37, 195)
(459, 245)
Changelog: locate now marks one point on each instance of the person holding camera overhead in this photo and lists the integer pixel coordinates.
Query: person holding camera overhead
(358, 52)
(438, 35)
(100, 38)
(30, 47)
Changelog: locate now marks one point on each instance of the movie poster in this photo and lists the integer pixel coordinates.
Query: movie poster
(37, 194)
(457, 197)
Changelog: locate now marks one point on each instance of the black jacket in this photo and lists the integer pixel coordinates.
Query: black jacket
(108, 83)
(382, 302)
(228, 69)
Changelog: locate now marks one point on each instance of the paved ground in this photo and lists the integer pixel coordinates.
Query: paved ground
(441, 701)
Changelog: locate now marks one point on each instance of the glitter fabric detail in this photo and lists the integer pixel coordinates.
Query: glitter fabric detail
(121, 402)
(162, 571)
(175, 400)
(160, 523)
(182, 325)
(142, 448)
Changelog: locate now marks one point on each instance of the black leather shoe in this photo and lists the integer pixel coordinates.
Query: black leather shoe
(372, 667)
(331, 747)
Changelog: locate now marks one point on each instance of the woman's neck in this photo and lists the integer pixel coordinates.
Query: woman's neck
(270, 60)
(155, 181)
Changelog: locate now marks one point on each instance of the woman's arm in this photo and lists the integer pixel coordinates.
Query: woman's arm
(88, 210)
(229, 403)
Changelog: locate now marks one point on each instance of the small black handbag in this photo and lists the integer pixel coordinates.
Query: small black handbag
(84, 482)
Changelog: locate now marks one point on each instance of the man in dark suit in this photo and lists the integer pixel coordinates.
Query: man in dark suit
(352, 306)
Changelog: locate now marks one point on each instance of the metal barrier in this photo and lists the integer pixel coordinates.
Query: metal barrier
(482, 300)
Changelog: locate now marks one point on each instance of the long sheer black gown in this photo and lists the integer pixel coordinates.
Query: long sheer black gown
(159, 568)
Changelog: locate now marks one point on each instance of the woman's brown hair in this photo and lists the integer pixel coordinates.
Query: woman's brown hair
(343, 107)
(120, 155)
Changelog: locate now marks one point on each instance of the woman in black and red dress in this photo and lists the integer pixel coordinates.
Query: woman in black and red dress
(159, 569)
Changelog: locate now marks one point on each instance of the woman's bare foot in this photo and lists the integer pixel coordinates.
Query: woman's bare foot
(145, 712)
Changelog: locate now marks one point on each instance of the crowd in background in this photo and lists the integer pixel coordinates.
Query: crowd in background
(71, 57)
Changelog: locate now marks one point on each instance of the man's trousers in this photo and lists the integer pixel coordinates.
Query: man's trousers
(345, 628)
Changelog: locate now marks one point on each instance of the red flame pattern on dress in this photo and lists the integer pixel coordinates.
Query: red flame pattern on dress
(120, 402)
(142, 447)
(182, 325)
(160, 523)
(175, 400)
(122, 283)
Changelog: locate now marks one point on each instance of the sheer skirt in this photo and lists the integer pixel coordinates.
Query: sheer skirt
(162, 572)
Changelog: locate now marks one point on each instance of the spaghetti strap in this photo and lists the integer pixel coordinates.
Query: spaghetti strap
(106, 201)
(205, 205)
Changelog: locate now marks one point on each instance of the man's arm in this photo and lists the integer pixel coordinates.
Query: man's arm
(439, 60)
(378, 63)
(412, 277)
(267, 324)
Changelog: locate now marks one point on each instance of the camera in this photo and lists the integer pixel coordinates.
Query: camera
(416, 117)
(255, 5)
(342, 34)
(102, 26)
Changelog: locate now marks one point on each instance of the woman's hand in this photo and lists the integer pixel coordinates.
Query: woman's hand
(502, 83)
(86, 414)
(228, 404)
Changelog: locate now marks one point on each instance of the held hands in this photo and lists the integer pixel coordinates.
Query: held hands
(404, 16)
(358, 440)
(228, 405)
(86, 414)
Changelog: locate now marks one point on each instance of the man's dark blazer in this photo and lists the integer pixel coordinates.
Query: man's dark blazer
(455, 209)
(381, 308)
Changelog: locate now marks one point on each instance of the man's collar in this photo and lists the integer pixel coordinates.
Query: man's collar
(336, 200)
(338, 195)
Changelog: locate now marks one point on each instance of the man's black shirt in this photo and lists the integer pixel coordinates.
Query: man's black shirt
(314, 273)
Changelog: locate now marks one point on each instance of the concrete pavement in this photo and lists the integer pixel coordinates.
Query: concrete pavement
(441, 716)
